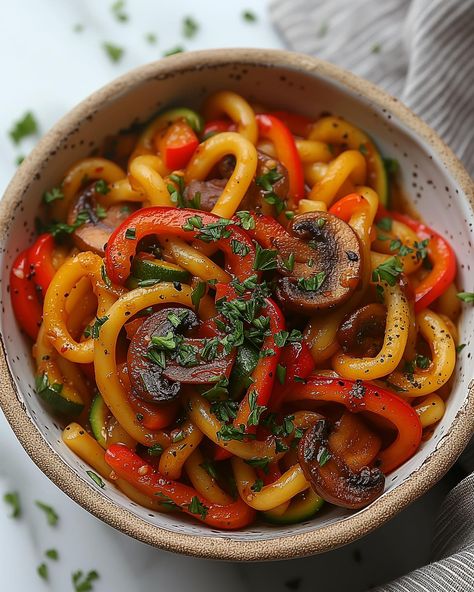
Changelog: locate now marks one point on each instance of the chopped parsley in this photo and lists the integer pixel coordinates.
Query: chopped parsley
(256, 410)
(151, 38)
(114, 52)
(13, 500)
(376, 48)
(283, 337)
(249, 16)
(176, 190)
(190, 27)
(257, 486)
(289, 263)
(50, 513)
(225, 411)
(101, 187)
(84, 582)
(196, 507)
(239, 248)
(130, 234)
(173, 51)
(19, 159)
(217, 390)
(259, 463)
(197, 294)
(118, 11)
(388, 271)
(105, 277)
(385, 224)
(155, 450)
(265, 259)
(94, 329)
(214, 231)
(42, 571)
(52, 554)
(168, 342)
(177, 318)
(312, 283)
(24, 127)
(230, 432)
(210, 468)
(246, 220)
(58, 228)
(266, 182)
(421, 249)
(192, 223)
(466, 296)
(323, 456)
(54, 194)
(460, 347)
(178, 436)
(363, 149)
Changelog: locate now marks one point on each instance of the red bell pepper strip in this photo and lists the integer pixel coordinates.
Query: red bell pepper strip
(273, 129)
(220, 453)
(24, 296)
(359, 396)
(344, 208)
(129, 466)
(217, 126)
(299, 125)
(177, 145)
(298, 362)
(440, 254)
(263, 377)
(266, 230)
(122, 245)
(41, 261)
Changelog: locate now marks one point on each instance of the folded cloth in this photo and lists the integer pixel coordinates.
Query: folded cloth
(418, 50)
(421, 51)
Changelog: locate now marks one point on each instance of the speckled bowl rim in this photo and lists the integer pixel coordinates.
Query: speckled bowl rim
(282, 547)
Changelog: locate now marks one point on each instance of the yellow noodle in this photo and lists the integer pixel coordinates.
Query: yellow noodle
(228, 103)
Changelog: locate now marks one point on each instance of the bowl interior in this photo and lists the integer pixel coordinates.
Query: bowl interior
(425, 178)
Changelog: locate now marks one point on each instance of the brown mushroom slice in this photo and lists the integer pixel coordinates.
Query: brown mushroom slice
(158, 382)
(330, 475)
(327, 262)
(362, 332)
(254, 199)
(204, 193)
(94, 234)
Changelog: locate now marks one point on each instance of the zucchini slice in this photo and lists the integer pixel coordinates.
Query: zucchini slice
(144, 268)
(59, 397)
(98, 416)
(302, 507)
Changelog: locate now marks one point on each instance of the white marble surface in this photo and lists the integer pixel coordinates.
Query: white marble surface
(48, 68)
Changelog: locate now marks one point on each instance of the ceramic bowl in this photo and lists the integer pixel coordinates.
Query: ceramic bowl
(430, 174)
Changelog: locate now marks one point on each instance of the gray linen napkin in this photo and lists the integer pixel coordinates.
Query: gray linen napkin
(419, 50)
(423, 52)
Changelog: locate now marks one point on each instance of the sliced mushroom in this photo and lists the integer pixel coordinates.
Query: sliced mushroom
(149, 379)
(331, 476)
(327, 262)
(94, 234)
(362, 332)
(210, 190)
